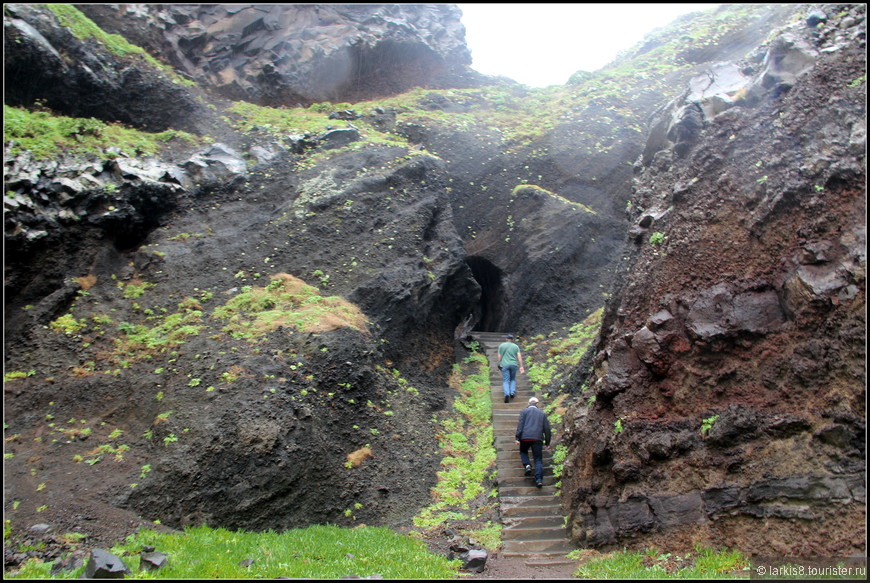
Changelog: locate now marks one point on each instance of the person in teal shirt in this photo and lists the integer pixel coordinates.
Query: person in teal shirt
(510, 359)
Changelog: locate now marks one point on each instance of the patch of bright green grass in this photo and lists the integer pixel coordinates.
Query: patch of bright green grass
(561, 352)
(286, 301)
(84, 28)
(654, 564)
(317, 552)
(466, 441)
(278, 121)
(46, 135)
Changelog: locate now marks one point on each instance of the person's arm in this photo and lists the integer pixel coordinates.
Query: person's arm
(520, 423)
(520, 360)
(547, 432)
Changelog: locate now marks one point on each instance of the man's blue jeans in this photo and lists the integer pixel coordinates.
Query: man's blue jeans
(538, 455)
(509, 380)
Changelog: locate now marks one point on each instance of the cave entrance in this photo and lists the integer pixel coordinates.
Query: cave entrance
(492, 296)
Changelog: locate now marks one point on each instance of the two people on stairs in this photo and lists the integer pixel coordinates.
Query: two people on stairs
(510, 359)
(533, 432)
(533, 428)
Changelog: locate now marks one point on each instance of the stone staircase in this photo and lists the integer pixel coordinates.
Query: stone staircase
(531, 516)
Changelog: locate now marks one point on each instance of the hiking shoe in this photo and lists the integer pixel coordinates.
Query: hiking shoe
(528, 470)
(513, 396)
(507, 399)
(539, 484)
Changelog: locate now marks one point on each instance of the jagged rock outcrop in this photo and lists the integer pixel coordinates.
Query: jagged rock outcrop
(289, 54)
(732, 349)
(729, 382)
(45, 62)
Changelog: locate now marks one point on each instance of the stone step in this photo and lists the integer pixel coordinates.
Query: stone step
(528, 505)
(532, 533)
(515, 473)
(530, 490)
(554, 547)
(532, 512)
(533, 520)
(521, 523)
(512, 466)
(521, 481)
(509, 464)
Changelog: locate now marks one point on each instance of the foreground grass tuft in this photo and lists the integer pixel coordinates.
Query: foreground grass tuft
(317, 552)
(653, 564)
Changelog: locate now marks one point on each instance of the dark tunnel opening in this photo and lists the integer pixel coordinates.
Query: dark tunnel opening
(492, 297)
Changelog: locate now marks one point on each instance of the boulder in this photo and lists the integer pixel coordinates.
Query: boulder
(475, 561)
(104, 565)
(152, 561)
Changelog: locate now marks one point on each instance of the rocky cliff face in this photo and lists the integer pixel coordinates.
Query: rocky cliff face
(290, 54)
(729, 392)
(134, 279)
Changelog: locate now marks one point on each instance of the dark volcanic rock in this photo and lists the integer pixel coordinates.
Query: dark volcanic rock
(718, 320)
(732, 352)
(284, 54)
(81, 78)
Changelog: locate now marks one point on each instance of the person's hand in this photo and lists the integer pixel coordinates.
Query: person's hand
(522, 369)
(518, 442)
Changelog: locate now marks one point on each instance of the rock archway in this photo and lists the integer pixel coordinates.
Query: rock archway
(492, 296)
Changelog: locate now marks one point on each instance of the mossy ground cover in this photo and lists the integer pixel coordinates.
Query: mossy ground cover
(287, 301)
(317, 552)
(466, 441)
(84, 28)
(551, 357)
(46, 136)
(652, 563)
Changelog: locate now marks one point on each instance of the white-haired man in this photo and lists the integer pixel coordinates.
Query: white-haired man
(533, 432)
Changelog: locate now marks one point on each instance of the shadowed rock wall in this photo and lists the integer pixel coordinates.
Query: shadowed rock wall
(729, 386)
(289, 54)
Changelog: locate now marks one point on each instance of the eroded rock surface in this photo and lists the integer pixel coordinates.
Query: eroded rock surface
(278, 54)
(732, 358)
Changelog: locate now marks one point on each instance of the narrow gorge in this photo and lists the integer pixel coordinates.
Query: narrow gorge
(245, 246)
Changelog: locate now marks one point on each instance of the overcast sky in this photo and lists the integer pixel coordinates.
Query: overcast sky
(544, 44)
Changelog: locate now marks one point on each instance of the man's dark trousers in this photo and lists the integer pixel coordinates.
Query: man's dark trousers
(537, 447)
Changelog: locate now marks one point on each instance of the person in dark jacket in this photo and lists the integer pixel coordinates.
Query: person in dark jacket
(533, 431)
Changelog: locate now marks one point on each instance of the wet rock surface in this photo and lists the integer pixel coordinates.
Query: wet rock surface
(710, 357)
(276, 54)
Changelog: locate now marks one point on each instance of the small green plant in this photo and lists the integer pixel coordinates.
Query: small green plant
(17, 375)
(68, 324)
(162, 417)
(136, 290)
(856, 82)
(617, 426)
(656, 238)
(466, 441)
(171, 438)
(707, 424)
